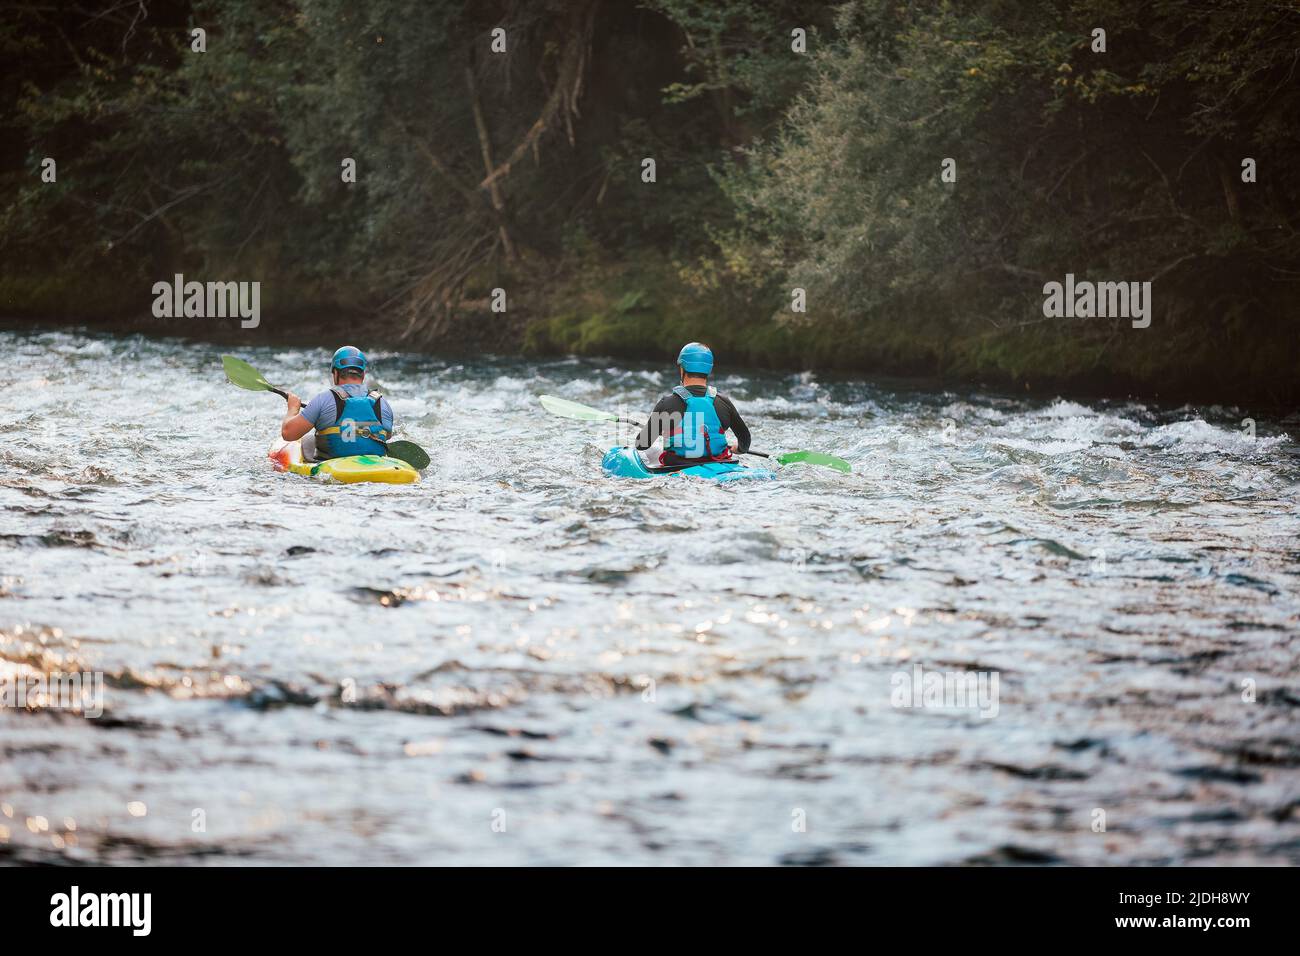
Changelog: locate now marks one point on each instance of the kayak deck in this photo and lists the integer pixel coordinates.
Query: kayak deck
(354, 469)
(626, 463)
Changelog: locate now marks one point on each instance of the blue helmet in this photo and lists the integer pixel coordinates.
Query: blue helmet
(349, 357)
(696, 358)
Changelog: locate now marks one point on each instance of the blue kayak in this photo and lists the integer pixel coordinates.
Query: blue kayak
(626, 463)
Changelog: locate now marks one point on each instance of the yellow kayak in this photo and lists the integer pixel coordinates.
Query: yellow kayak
(287, 456)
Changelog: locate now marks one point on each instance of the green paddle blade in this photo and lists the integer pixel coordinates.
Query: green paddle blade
(244, 375)
(583, 413)
(814, 458)
(409, 452)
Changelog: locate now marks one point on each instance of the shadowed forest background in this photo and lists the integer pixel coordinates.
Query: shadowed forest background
(775, 170)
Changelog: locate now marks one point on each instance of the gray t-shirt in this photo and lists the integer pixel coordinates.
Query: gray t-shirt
(321, 412)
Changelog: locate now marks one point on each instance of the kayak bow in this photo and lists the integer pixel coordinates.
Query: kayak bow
(626, 463)
(353, 469)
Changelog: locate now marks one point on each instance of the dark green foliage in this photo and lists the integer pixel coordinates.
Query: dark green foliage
(775, 170)
(1122, 165)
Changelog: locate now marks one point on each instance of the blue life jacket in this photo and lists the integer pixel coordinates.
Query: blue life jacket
(701, 434)
(358, 427)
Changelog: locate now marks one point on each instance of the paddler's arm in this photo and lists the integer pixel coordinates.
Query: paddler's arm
(294, 425)
(660, 421)
(738, 426)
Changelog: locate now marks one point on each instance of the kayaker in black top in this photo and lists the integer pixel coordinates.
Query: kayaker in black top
(693, 419)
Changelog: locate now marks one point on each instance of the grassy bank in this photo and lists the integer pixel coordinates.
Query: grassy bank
(641, 312)
(646, 311)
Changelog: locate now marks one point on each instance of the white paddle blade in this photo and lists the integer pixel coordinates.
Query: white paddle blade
(567, 409)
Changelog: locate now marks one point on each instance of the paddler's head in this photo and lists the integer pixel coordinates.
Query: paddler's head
(695, 363)
(348, 365)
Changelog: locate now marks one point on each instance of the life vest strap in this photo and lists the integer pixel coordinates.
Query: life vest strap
(378, 434)
(685, 394)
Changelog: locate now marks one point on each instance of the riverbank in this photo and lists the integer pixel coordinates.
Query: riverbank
(685, 179)
(646, 312)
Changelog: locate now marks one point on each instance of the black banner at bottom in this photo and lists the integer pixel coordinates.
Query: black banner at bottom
(339, 905)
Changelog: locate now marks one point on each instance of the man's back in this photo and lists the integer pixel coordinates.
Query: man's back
(666, 420)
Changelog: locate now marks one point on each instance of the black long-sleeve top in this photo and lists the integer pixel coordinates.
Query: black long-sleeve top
(667, 415)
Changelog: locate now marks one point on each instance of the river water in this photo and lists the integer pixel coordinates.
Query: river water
(519, 661)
